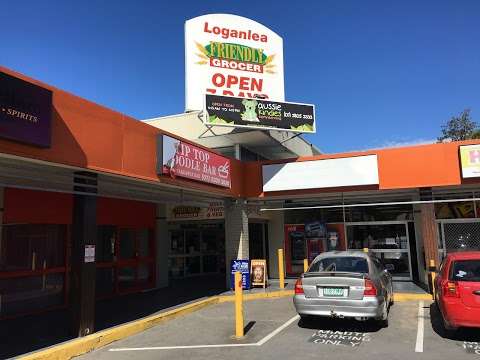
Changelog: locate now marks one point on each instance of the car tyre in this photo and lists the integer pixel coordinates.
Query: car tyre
(383, 321)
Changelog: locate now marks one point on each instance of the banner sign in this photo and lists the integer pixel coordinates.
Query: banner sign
(259, 272)
(470, 161)
(186, 160)
(233, 56)
(25, 111)
(244, 267)
(259, 114)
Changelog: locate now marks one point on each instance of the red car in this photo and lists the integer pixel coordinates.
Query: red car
(457, 290)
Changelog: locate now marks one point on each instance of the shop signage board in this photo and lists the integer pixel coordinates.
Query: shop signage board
(214, 211)
(316, 174)
(231, 55)
(258, 272)
(470, 161)
(186, 160)
(255, 113)
(244, 267)
(25, 111)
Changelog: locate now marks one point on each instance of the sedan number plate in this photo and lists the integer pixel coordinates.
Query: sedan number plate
(336, 292)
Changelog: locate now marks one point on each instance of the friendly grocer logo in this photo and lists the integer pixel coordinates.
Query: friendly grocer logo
(235, 57)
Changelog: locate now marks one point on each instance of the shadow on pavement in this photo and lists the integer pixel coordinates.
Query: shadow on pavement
(333, 324)
(462, 334)
(29, 333)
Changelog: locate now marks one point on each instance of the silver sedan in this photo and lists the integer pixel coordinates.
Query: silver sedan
(345, 284)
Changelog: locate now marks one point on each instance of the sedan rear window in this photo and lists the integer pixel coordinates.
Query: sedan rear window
(465, 270)
(340, 263)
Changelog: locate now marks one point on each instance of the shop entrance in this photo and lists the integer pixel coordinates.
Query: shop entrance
(389, 241)
(257, 240)
(125, 260)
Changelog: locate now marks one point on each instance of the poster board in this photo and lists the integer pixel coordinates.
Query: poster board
(258, 271)
(241, 266)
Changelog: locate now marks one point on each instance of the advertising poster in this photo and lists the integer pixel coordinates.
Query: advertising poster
(192, 162)
(258, 272)
(244, 267)
(231, 55)
(470, 161)
(25, 111)
(256, 113)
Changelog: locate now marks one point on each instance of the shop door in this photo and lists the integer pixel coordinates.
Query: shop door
(135, 268)
(388, 241)
(256, 241)
(458, 235)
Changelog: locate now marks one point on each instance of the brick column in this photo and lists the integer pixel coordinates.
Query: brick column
(236, 233)
(429, 233)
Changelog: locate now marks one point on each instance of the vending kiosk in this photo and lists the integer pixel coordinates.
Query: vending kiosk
(307, 241)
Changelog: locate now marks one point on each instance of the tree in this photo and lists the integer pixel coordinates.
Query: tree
(460, 127)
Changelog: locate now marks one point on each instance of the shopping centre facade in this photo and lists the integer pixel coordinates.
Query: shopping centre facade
(95, 204)
(91, 215)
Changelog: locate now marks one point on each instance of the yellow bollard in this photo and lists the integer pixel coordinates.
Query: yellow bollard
(365, 250)
(238, 305)
(433, 275)
(305, 265)
(281, 274)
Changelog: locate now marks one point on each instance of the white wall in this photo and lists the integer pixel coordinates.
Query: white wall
(275, 241)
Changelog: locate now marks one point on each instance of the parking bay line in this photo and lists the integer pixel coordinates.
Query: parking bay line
(420, 328)
(259, 343)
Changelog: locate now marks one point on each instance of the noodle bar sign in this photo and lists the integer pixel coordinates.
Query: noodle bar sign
(25, 111)
(186, 160)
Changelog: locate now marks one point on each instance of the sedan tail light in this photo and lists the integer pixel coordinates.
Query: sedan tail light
(299, 287)
(450, 289)
(370, 289)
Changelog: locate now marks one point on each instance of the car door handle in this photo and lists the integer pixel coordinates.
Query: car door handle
(476, 292)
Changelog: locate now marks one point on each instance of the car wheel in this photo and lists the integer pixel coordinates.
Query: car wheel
(383, 321)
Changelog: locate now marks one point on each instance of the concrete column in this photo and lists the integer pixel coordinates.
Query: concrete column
(84, 232)
(84, 237)
(162, 246)
(236, 233)
(276, 235)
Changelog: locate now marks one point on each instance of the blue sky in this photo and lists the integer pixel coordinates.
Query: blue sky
(381, 73)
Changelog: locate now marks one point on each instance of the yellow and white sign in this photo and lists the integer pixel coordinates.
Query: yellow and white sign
(470, 161)
(230, 55)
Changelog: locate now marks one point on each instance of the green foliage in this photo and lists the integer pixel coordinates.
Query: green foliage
(460, 127)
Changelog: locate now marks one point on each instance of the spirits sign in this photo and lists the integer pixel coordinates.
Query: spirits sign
(25, 111)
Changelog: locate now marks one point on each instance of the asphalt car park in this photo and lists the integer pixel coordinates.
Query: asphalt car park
(274, 331)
